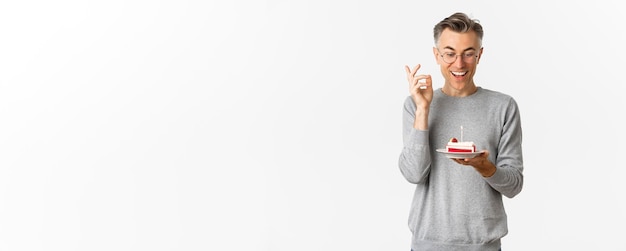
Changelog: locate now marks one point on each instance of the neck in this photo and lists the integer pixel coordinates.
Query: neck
(451, 91)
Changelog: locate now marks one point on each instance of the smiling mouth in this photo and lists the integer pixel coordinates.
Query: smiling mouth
(459, 73)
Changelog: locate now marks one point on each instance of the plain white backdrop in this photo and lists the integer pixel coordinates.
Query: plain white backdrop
(276, 125)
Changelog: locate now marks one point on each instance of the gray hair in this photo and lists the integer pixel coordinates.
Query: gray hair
(458, 22)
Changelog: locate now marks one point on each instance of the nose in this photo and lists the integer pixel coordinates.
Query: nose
(458, 62)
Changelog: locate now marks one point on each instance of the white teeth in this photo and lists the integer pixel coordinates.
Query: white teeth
(459, 73)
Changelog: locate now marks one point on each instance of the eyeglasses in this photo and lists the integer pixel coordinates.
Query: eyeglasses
(450, 57)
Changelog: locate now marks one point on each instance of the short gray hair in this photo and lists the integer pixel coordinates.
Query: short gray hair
(458, 22)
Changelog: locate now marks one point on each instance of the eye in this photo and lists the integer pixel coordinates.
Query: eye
(469, 54)
(449, 54)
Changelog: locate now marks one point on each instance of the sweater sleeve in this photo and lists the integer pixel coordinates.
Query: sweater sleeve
(508, 178)
(415, 160)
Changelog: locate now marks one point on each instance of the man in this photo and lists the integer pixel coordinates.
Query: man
(457, 204)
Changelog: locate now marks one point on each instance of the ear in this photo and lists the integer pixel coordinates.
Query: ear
(480, 54)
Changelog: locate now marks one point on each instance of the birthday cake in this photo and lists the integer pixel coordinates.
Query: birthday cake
(454, 146)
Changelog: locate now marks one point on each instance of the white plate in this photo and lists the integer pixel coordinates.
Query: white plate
(459, 155)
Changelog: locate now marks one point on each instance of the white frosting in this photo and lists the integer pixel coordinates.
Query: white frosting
(467, 143)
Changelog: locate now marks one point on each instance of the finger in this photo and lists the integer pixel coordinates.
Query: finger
(417, 86)
(417, 67)
(422, 79)
(415, 89)
(485, 153)
(425, 82)
(409, 74)
(420, 84)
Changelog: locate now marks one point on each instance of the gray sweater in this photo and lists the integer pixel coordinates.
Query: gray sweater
(454, 207)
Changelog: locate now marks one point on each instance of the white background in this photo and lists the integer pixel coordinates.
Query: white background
(276, 125)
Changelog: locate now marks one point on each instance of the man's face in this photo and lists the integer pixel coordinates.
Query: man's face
(457, 55)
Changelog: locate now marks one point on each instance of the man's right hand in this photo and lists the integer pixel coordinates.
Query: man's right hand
(422, 94)
(420, 87)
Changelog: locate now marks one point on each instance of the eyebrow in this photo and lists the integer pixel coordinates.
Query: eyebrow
(450, 48)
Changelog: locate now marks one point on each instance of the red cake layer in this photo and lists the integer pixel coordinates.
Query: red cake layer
(452, 150)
